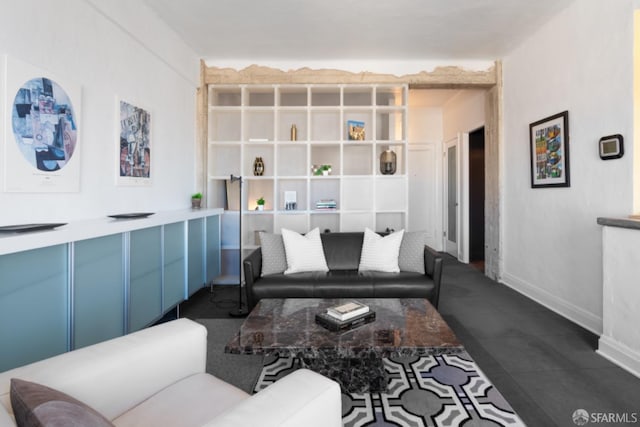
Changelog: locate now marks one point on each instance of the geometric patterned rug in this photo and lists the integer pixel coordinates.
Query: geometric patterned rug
(425, 391)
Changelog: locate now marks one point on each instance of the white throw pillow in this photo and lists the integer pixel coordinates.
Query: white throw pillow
(304, 253)
(380, 253)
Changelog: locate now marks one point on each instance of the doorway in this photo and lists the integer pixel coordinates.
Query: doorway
(477, 198)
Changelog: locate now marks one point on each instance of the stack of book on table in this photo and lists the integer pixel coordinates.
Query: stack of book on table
(346, 316)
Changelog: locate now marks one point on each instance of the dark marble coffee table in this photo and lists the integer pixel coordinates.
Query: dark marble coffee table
(287, 328)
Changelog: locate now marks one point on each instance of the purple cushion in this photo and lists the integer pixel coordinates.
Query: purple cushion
(35, 405)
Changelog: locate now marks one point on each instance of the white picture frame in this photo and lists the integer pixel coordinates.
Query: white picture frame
(133, 144)
(42, 127)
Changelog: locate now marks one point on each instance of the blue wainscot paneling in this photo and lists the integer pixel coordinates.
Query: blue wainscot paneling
(196, 278)
(145, 277)
(98, 289)
(174, 265)
(33, 305)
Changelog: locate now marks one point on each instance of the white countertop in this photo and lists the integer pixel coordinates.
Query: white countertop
(97, 227)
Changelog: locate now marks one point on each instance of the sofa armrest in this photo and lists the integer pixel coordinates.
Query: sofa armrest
(302, 398)
(433, 268)
(252, 266)
(127, 369)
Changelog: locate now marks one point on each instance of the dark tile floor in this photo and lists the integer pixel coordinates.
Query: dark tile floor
(544, 365)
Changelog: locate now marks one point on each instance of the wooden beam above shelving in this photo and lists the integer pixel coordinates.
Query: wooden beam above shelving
(441, 77)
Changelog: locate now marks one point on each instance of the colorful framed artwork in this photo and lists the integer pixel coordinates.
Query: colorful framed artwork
(134, 144)
(549, 149)
(42, 143)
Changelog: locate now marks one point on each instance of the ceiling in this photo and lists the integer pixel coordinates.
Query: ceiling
(313, 30)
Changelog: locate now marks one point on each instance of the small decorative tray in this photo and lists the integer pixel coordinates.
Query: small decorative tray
(131, 215)
(19, 228)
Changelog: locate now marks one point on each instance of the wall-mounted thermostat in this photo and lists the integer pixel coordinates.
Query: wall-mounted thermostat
(611, 147)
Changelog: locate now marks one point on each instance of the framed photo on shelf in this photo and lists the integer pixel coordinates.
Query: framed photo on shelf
(549, 150)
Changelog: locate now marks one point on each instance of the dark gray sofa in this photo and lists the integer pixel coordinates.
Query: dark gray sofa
(342, 252)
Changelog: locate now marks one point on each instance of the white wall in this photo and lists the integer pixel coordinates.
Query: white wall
(551, 246)
(463, 113)
(425, 166)
(110, 49)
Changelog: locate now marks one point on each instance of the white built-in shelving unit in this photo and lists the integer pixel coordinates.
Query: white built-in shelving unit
(249, 121)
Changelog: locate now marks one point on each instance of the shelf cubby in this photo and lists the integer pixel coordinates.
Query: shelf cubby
(225, 96)
(299, 186)
(357, 158)
(325, 221)
(292, 160)
(225, 125)
(325, 96)
(255, 188)
(390, 193)
(294, 221)
(224, 159)
(262, 150)
(260, 96)
(259, 126)
(325, 125)
(391, 220)
(390, 125)
(287, 119)
(294, 96)
(357, 96)
(357, 194)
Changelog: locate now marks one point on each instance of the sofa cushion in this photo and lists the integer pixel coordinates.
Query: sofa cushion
(411, 256)
(304, 252)
(296, 285)
(342, 250)
(274, 259)
(36, 405)
(192, 401)
(380, 253)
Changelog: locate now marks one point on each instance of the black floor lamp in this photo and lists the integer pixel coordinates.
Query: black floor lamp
(240, 311)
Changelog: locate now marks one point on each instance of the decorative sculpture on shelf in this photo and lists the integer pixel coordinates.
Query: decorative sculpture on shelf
(258, 166)
(388, 162)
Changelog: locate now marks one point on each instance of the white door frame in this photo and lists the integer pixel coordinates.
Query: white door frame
(459, 248)
(451, 247)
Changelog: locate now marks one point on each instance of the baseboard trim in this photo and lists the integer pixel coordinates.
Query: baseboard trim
(619, 354)
(564, 308)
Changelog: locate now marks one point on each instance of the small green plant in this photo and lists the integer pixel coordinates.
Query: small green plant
(260, 201)
(322, 169)
(196, 196)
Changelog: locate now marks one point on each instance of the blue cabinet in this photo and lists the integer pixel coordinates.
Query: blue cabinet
(174, 277)
(34, 305)
(65, 292)
(213, 248)
(145, 277)
(196, 250)
(98, 290)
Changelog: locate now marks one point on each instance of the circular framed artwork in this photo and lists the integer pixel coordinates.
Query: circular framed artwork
(44, 124)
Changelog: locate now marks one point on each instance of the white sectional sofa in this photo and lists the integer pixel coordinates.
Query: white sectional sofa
(156, 377)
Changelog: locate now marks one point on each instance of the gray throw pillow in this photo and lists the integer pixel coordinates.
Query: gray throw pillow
(274, 258)
(411, 256)
(36, 405)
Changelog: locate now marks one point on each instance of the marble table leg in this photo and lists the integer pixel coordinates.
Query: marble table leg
(364, 374)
